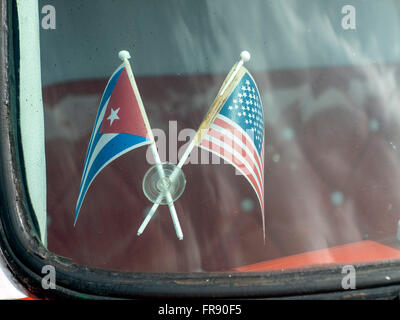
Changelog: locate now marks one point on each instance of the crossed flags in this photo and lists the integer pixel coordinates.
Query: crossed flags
(233, 129)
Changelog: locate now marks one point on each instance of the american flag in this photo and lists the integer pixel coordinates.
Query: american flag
(237, 134)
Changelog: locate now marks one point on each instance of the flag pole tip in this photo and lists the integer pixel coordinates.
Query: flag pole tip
(124, 55)
(245, 56)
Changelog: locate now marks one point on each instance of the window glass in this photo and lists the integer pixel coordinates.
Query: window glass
(327, 77)
(31, 110)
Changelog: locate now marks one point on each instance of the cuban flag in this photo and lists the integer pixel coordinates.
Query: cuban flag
(119, 128)
(236, 133)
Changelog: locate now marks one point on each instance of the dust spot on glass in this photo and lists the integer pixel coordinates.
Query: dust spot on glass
(287, 134)
(337, 198)
(276, 157)
(269, 148)
(247, 205)
(393, 145)
(373, 125)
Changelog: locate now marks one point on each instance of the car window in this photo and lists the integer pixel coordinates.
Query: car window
(326, 75)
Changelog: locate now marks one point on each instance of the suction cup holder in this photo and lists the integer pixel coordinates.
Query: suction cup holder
(162, 179)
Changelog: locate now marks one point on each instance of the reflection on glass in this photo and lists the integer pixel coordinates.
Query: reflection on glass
(330, 98)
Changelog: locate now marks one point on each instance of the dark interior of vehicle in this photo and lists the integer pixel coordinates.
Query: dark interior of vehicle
(332, 140)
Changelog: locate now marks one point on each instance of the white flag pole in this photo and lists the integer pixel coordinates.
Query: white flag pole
(124, 56)
(244, 57)
(171, 178)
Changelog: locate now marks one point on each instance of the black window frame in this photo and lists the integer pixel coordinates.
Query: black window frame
(25, 255)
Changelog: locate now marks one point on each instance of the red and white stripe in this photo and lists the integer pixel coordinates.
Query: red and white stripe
(229, 141)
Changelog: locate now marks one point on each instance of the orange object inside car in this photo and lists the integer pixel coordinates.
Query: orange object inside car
(358, 252)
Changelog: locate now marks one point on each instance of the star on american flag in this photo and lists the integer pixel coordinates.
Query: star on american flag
(237, 134)
(253, 124)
